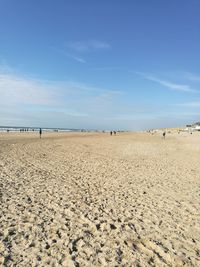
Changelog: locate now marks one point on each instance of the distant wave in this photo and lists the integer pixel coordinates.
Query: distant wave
(32, 129)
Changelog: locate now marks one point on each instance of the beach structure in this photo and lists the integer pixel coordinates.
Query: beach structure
(193, 127)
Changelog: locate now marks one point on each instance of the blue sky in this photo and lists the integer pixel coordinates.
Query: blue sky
(108, 64)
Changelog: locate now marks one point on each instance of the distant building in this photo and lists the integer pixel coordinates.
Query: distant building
(193, 127)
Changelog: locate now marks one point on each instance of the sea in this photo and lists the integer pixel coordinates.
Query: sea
(36, 129)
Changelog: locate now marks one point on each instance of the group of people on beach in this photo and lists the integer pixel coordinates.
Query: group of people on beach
(113, 132)
(25, 130)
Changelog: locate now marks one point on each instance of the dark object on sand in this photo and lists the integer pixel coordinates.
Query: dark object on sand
(40, 132)
(164, 134)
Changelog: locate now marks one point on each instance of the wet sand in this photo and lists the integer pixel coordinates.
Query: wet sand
(78, 199)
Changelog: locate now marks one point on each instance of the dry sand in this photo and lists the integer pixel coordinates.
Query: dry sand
(96, 200)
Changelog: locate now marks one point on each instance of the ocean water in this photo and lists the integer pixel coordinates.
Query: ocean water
(35, 129)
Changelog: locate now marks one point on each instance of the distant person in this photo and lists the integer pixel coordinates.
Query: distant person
(40, 132)
(164, 134)
(114, 132)
(111, 133)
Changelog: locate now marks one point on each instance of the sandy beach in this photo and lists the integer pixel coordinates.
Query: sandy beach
(91, 199)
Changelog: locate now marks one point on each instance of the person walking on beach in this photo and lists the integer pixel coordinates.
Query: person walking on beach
(40, 132)
(164, 134)
(110, 132)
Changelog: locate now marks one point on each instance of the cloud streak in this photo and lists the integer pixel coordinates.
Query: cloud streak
(193, 104)
(27, 101)
(33, 102)
(76, 58)
(69, 55)
(20, 90)
(168, 84)
(193, 77)
(73, 50)
(70, 97)
(88, 46)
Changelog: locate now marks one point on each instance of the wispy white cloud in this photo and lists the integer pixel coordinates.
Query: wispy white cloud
(193, 77)
(69, 55)
(90, 45)
(74, 49)
(193, 104)
(81, 60)
(66, 96)
(109, 69)
(20, 90)
(168, 84)
(28, 101)
(76, 58)
(32, 102)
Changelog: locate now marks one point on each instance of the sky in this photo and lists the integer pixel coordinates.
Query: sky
(107, 65)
